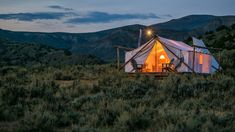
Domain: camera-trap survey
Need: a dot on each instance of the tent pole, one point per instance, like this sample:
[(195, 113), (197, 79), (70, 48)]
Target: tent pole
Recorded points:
[(118, 61), (118, 53), (137, 53), (176, 56), (193, 56)]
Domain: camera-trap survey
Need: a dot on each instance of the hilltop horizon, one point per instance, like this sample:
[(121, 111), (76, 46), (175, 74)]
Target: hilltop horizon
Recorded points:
[(101, 43), (92, 16), (135, 24)]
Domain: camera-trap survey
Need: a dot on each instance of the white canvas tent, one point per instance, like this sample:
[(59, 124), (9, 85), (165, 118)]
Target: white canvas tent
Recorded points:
[(162, 55)]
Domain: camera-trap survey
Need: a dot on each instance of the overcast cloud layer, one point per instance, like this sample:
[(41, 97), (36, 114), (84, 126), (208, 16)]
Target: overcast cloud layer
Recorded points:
[(91, 15), (74, 17)]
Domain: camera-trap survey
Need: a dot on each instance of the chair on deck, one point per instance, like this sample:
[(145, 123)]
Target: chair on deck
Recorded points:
[(168, 66), (181, 60), (136, 67)]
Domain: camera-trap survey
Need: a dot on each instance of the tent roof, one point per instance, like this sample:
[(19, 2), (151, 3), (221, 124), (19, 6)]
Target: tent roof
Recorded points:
[(169, 42), (145, 46), (179, 45), (176, 44)]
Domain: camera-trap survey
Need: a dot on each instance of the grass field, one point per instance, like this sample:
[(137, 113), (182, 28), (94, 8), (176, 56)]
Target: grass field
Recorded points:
[(101, 98)]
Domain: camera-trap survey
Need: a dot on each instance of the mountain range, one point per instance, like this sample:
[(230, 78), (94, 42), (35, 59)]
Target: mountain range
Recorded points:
[(101, 43)]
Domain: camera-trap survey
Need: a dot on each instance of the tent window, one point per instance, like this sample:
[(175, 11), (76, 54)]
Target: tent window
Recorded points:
[(200, 59)]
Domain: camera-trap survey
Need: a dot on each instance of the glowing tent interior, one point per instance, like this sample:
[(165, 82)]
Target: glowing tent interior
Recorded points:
[(165, 55)]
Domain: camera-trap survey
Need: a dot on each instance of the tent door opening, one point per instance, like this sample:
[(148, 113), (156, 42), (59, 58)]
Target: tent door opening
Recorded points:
[(156, 59)]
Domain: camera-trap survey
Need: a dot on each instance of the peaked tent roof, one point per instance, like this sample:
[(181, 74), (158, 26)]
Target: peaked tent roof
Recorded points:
[(167, 42)]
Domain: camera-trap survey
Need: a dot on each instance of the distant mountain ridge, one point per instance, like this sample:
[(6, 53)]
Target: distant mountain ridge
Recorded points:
[(101, 43), (193, 22)]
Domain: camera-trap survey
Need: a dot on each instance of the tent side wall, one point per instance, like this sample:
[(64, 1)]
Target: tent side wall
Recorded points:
[(128, 67), (178, 53), (202, 62), (214, 65)]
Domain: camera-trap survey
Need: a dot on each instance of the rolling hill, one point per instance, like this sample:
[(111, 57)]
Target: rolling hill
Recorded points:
[(18, 54), (101, 43)]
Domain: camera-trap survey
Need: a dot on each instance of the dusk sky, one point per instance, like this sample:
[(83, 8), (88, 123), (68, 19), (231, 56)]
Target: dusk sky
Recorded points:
[(95, 15)]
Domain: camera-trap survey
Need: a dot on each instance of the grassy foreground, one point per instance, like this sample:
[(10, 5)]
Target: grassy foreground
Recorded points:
[(100, 98)]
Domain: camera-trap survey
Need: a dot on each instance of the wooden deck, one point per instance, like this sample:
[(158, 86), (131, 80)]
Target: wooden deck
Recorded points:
[(156, 74), (166, 74)]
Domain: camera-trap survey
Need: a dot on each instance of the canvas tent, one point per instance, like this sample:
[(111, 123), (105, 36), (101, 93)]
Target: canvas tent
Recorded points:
[(165, 55)]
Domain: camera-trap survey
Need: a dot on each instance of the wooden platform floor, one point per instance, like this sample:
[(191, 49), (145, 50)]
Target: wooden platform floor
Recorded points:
[(156, 74)]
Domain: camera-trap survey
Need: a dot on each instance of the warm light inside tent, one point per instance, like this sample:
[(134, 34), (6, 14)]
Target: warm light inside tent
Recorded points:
[(155, 59), (200, 59), (162, 57)]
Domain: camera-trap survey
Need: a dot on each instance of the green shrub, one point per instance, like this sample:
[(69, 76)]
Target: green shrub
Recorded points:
[(38, 121)]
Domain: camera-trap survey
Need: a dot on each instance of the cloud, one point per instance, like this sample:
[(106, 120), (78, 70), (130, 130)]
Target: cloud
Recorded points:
[(35, 16), (103, 17), (76, 17), (167, 15), (60, 8)]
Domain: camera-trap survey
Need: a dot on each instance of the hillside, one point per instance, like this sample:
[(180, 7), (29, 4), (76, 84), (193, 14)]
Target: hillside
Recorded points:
[(223, 37), (101, 43), (18, 54)]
